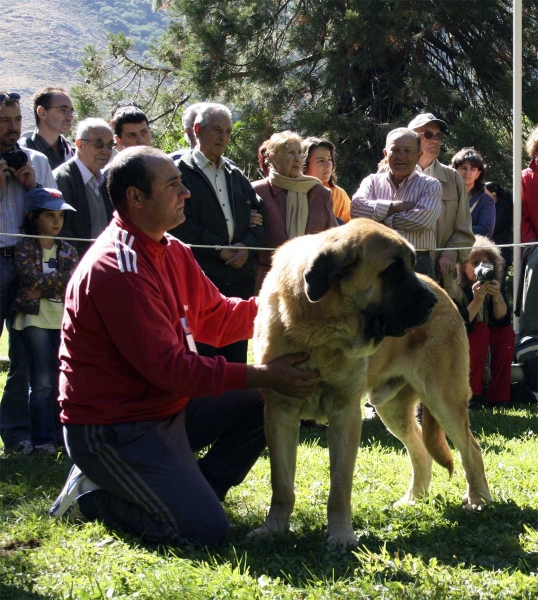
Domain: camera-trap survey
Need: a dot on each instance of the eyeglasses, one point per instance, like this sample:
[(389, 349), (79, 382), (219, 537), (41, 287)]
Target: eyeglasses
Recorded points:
[(438, 135), (99, 144), (9, 96), (64, 109)]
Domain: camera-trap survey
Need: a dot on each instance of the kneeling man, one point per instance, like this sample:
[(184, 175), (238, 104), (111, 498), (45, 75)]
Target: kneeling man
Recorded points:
[(137, 400)]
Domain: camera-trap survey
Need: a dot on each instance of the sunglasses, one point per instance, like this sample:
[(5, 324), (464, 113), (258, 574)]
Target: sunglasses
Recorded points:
[(9, 96), (438, 135), (99, 144)]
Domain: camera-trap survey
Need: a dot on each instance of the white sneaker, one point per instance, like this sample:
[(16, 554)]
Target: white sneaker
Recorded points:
[(23, 448), (66, 505)]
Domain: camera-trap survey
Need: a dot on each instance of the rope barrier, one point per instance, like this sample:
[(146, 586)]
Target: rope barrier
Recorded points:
[(254, 248)]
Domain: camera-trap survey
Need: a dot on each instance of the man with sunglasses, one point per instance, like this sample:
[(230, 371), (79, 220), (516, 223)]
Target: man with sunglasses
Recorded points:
[(453, 228), (81, 182), (17, 176), (54, 114)]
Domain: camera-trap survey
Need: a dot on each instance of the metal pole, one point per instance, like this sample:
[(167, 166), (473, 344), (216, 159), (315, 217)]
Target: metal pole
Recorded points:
[(516, 141)]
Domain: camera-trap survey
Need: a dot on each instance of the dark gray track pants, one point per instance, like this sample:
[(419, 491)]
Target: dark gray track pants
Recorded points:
[(152, 483)]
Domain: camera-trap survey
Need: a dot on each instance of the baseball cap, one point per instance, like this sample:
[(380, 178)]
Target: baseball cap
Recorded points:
[(45, 198), (424, 119)]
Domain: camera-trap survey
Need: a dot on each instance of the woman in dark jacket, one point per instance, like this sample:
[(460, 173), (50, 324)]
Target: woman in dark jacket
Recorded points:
[(470, 165)]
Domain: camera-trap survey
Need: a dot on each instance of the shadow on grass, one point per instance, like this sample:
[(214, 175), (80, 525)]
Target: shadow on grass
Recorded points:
[(490, 539), (14, 592)]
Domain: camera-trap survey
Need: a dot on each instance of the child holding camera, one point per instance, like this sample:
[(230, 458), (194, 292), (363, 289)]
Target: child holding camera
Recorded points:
[(44, 266), (484, 309)]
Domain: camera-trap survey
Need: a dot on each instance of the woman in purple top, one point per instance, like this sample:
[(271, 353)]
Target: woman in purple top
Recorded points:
[(294, 204), (470, 165)]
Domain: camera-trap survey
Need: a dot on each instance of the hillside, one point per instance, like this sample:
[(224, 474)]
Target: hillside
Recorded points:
[(41, 41)]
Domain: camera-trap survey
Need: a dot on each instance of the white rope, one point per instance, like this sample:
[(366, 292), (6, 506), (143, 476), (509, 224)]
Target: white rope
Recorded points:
[(254, 248)]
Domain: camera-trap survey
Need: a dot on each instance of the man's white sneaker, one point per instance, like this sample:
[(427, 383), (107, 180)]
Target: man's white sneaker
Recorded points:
[(66, 505), (23, 448)]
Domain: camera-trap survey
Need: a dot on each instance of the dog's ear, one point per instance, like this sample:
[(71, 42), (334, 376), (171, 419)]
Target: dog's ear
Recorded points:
[(324, 267)]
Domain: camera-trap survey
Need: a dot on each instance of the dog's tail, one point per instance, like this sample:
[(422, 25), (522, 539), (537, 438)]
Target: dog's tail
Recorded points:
[(435, 441)]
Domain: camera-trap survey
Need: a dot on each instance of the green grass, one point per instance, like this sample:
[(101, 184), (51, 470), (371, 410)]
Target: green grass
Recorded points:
[(432, 550)]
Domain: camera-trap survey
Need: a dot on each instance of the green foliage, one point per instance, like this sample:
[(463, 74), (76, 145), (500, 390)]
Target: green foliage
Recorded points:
[(347, 69), (433, 549)]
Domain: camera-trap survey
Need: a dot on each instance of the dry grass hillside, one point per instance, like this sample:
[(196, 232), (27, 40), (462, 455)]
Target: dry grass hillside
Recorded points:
[(41, 43)]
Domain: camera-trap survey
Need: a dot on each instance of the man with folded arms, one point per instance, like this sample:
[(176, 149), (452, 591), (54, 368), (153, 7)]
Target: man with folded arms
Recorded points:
[(402, 198)]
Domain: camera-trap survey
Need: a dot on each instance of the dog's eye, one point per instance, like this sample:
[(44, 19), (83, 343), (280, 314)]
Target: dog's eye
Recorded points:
[(392, 269)]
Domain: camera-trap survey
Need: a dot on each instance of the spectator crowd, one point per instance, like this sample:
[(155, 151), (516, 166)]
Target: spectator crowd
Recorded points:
[(131, 350)]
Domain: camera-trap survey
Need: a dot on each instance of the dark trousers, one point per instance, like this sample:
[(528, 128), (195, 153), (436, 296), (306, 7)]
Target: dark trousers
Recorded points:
[(424, 264), (236, 352), (152, 483), (14, 415)]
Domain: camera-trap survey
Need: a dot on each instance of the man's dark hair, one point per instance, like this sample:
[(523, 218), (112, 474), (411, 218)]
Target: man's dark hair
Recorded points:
[(127, 114), (43, 97), (130, 169)]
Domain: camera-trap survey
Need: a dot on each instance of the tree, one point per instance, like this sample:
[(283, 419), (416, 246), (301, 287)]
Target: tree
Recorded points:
[(349, 69)]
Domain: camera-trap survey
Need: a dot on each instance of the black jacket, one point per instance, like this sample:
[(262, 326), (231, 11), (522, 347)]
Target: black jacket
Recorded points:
[(77, 224), (205, 223)]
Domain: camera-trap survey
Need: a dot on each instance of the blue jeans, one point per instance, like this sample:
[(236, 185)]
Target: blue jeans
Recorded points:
[(42, 347), (14, 418)]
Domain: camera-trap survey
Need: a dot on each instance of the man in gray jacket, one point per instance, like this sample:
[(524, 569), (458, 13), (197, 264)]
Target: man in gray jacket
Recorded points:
[(454, 225)]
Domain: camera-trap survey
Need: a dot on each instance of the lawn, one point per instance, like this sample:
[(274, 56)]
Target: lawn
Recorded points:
[(433, 549)]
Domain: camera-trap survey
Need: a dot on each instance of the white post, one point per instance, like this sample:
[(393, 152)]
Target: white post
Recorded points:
[(516, 140)]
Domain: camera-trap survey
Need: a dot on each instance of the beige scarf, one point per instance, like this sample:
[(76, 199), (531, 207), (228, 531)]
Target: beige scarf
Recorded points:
[(296, 200)]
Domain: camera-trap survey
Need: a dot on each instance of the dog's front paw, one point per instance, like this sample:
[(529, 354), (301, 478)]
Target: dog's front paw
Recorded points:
[(469, 503), (342, 540), (265, 531)]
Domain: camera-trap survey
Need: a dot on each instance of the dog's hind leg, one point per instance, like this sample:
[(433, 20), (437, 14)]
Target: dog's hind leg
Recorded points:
[(454, 420), (343, 439), (398, 415), (282, 434)]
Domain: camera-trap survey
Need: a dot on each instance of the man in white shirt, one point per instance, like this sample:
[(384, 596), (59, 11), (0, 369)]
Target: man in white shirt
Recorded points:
[(21, 169), (82, 183), (402, 198), (218, 213)]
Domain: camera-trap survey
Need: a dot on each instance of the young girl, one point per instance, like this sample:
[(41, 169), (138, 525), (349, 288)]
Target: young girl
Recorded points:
[(44, 267), (484, 308)]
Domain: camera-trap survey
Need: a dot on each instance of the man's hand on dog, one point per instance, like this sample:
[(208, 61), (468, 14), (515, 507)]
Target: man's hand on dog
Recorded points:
[(283, 376)]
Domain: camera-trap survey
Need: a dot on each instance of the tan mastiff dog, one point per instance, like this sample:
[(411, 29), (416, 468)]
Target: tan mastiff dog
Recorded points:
[(334, 295)]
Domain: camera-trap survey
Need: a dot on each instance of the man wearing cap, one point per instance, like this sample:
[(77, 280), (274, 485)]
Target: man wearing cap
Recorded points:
[(81, 182), (454, 228), (21, 169), (54, 114)]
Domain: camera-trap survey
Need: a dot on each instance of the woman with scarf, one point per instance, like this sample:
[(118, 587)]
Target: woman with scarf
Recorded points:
[(294, 204)]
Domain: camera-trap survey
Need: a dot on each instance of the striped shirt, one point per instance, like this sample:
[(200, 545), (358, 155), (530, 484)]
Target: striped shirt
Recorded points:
[(12, 197), (377, 192)]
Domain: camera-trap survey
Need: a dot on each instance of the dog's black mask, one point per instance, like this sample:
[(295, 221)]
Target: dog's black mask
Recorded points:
[(407, 302)]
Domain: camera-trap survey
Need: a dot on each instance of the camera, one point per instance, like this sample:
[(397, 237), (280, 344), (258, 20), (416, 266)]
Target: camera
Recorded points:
[(15, 159), (484, 272)]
